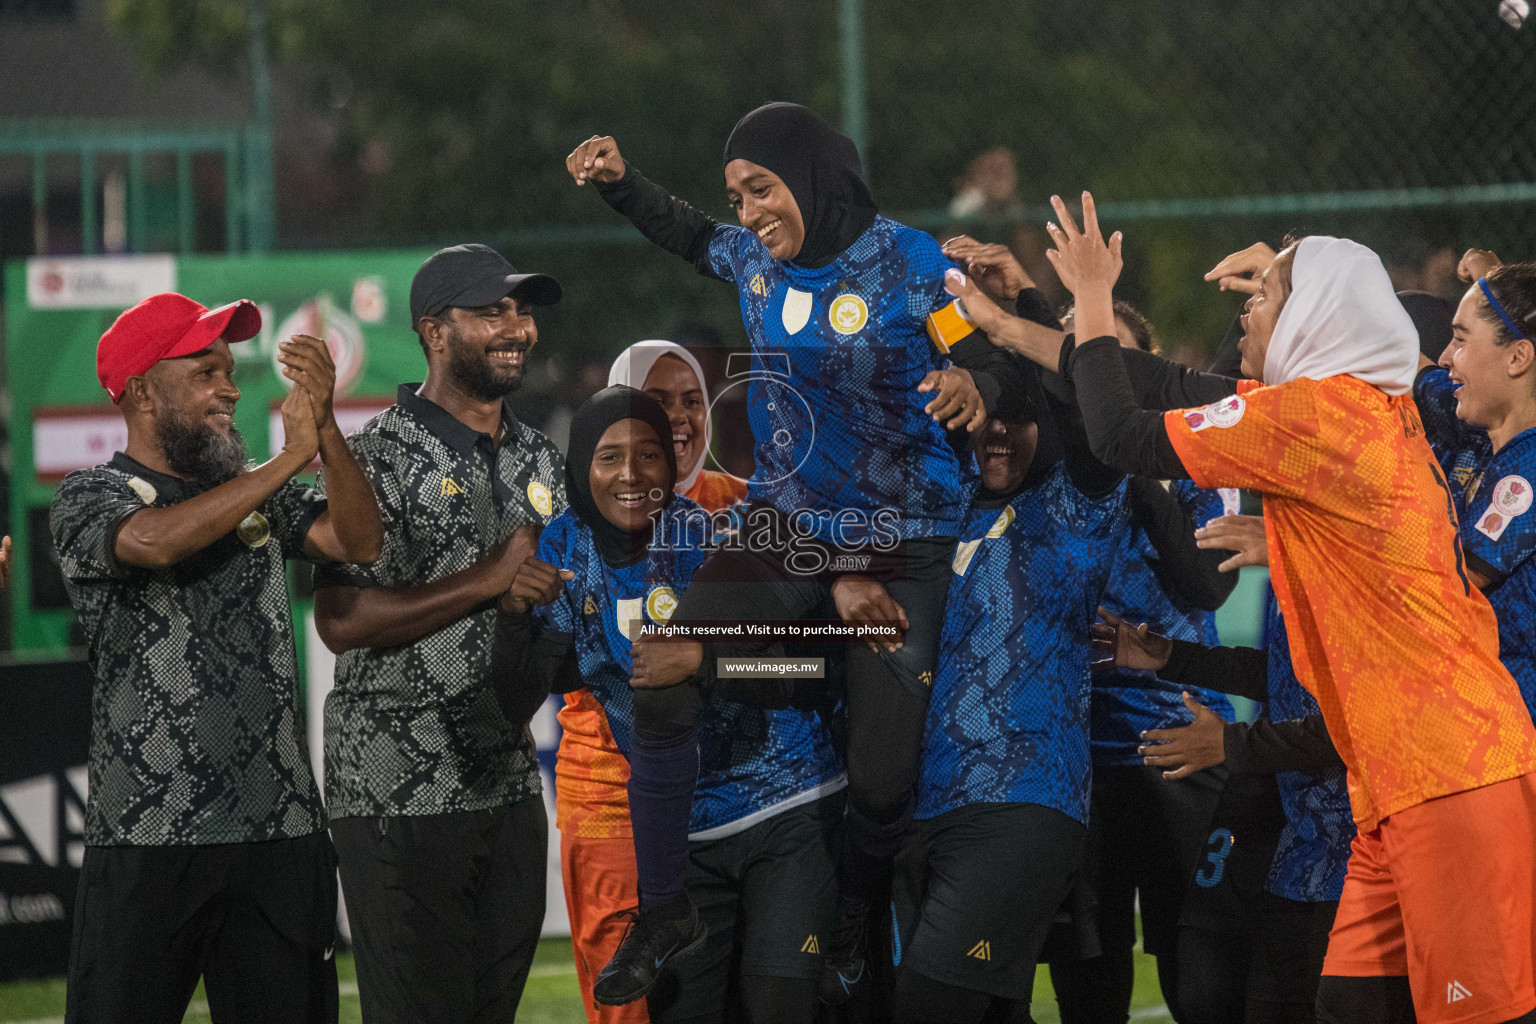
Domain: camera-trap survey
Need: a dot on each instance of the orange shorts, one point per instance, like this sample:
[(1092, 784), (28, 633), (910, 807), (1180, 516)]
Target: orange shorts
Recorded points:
[(600, 881), (1445, 892)]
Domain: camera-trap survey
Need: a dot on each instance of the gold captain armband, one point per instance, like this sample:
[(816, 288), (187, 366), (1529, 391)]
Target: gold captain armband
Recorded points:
[(947, 326)]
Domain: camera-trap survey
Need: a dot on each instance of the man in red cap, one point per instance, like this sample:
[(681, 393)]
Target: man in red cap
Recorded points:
[(206, 851)]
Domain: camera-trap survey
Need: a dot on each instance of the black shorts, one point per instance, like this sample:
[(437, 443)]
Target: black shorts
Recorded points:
[(977, 891), (1288, 959), (1145, 836), (256, 920), (764, 583), (1227, 887), (768, 896)]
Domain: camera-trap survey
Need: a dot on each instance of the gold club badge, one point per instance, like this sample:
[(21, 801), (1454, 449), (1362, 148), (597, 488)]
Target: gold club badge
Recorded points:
[(661, 604), (254, 530), (539, 498), (849, 314)]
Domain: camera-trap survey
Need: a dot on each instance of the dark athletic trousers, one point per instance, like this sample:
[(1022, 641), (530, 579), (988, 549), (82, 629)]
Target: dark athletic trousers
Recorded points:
[(445, 910), (887, 701)]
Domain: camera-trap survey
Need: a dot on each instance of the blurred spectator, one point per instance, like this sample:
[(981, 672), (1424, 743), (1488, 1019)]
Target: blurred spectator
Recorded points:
[(988, 188)]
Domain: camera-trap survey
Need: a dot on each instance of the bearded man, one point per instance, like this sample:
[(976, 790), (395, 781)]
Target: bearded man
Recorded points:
[(434, 797), (206, 852)]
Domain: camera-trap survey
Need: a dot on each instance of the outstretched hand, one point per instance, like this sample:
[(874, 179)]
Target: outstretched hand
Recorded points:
[(984, 314), (597, 159), (956, 403), (994, 267), (1186, 750), (1083, 260), (1240, 272), (1088, 266), (1119, 644), (1243, 534)]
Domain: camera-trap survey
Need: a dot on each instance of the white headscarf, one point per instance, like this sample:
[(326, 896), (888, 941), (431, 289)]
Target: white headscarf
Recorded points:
[(1342, 317), (634, 365)]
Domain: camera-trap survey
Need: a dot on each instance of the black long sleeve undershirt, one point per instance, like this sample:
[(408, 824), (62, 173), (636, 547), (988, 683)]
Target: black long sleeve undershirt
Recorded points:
[(1125, 420), (1265, 746), (528, 665), (1188, 574), (671, 223)]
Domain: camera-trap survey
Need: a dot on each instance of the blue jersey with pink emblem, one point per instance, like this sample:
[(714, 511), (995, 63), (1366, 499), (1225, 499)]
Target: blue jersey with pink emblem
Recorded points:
[(1008, 719), (752, 762), (837, 355), (1313, 850), (1127, 703), (1493, 493)]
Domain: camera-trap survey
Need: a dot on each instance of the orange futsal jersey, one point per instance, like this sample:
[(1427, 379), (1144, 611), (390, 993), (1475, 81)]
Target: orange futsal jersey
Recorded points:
[(1399, 648), (591, 774)]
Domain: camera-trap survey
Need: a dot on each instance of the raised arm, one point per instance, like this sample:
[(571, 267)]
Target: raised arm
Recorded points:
[(153, 538), (349, 530), (351, 613), (666, 220)]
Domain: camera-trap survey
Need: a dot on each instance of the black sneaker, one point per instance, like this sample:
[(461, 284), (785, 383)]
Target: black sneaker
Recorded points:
[(842, 961), (651, 939)]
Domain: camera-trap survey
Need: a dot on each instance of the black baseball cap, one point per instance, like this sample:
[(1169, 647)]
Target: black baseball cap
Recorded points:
[(473, 275)]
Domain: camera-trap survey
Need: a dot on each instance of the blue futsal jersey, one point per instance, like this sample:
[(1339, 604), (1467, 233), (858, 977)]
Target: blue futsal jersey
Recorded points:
[(1314, 844), (752, 763), (837, 355), (1129, 702), (1493, 494), (1008, 719)]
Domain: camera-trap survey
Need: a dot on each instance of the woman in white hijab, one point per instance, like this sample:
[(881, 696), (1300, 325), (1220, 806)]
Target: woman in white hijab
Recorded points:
[(670, 374), (1386, 630)]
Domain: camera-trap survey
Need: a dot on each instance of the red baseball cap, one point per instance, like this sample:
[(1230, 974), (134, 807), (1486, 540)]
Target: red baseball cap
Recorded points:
[(167, 326)]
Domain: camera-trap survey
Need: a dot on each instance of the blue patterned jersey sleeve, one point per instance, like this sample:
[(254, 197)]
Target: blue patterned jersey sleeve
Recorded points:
[(724, 253), (1499, 528), (1435, 395), (84, 519), (555, 547), (926, 264)]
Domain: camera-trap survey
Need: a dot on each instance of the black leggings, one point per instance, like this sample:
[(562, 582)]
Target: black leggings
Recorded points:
[(921, 1000), (887, 693), (1383, 1000)]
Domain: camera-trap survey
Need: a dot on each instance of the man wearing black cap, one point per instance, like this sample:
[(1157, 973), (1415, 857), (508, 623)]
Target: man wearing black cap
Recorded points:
[(434, 797), (206, 851)]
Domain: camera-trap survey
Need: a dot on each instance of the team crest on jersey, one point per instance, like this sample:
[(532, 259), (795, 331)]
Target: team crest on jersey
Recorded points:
[(964, 552), (254, 530), (1511, 498), (143, 488), (1225, 413), (1003, 522), (797, 310), (627, 611), (539, 498), (849, 314), (661, 604)]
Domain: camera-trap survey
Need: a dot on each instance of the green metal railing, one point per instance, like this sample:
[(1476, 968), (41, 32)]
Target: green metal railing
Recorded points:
[(87, 141)]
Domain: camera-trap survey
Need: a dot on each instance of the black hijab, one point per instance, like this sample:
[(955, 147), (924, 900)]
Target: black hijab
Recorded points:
[(1029, 404), (619, 548), (821, 167), (1431, 316)]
